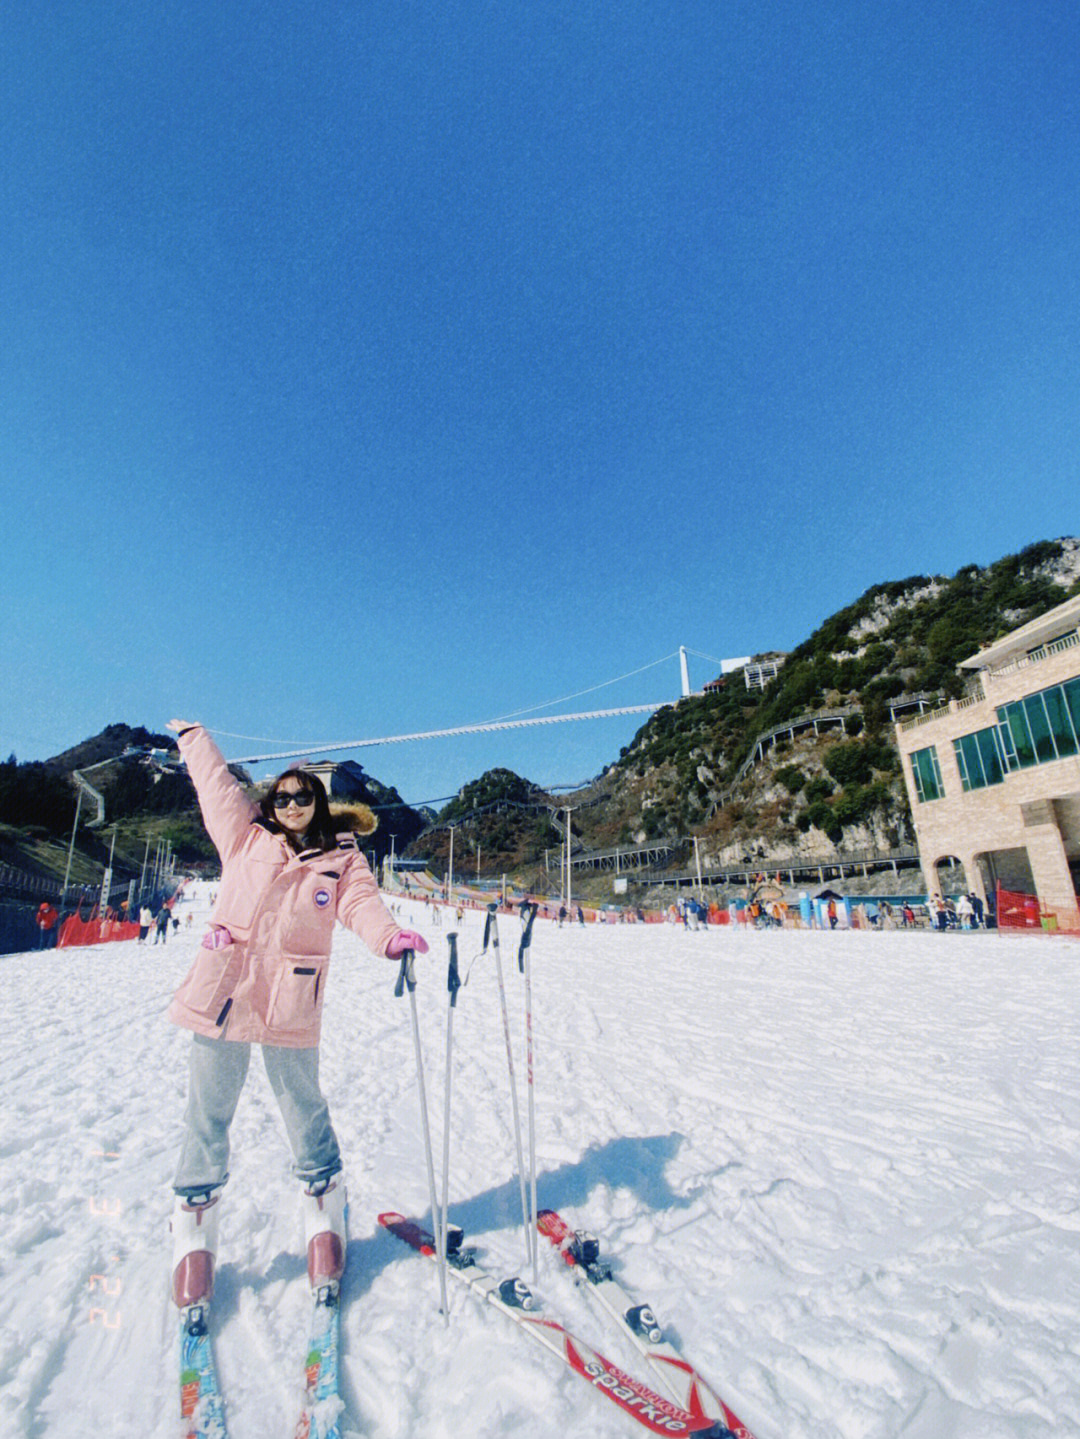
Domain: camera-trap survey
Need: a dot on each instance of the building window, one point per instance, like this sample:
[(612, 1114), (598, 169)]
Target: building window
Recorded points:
[(1016, 738), (979, 759), (1041, 727), (926, 774), (1071, 691), (1061, 725)]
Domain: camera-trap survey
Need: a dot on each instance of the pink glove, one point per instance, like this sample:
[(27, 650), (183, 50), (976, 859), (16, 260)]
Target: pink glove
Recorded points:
[(406, 939), (218, 937)]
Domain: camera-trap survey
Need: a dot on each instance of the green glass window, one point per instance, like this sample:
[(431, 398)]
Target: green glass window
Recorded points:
[(1071, 690), (1020, 746), (1005, 745), (1039, 726), (990, 753), (978, 759), (1057, 712), (926, 774), (969, 777)]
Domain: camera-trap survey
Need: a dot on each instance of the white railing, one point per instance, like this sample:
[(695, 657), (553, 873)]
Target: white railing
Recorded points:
[(974, 698), (925, 718), (1044, 652)]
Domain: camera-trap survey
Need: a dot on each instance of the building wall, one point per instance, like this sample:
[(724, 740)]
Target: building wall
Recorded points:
[(1035, 811)]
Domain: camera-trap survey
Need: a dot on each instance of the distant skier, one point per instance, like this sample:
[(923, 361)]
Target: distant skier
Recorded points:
[(287, 875), (161, 922), (46, 917)]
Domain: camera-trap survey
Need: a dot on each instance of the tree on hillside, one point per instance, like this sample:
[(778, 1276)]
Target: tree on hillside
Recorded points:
[(34, 794)]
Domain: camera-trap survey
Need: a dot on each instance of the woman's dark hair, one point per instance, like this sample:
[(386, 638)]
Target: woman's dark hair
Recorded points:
[(322, 832)]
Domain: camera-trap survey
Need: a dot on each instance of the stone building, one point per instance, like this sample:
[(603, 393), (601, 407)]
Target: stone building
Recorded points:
[(994, 778)]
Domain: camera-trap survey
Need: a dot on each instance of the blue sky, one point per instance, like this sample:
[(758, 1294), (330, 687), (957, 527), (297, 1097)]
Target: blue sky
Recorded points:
[(368, 369)]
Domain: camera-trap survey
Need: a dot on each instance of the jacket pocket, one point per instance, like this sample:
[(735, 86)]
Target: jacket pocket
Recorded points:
[(210, 982), (296, 997)]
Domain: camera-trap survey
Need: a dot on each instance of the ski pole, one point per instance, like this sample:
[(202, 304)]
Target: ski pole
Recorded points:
[(524, 967), (491, 928), (453, 984), (406, 980)]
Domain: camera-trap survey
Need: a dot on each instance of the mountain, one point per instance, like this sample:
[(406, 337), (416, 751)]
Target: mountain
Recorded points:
[(111, 743), (132, 778), (747, 773), (500, 823)]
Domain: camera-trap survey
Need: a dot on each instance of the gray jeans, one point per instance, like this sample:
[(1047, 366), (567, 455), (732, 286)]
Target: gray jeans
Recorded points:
[(217, 1069)]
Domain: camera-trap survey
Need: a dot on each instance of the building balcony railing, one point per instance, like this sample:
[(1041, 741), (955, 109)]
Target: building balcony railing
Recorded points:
[(927, 718), (1044, 652)]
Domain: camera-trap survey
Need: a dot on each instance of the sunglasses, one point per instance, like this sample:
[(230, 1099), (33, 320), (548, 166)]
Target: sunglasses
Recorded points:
[(283, 799)]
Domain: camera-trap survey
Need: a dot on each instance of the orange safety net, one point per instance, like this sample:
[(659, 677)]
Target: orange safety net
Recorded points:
[(77, 931), (1017, 911)]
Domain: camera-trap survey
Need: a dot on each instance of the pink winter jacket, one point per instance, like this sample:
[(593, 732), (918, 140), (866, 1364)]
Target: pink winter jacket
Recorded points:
[(268, 986)]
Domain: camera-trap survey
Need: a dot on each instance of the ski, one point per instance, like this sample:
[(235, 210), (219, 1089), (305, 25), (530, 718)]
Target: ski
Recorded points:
[(637, 1321), (202, 1408), (512, 1298), (323, 1406)]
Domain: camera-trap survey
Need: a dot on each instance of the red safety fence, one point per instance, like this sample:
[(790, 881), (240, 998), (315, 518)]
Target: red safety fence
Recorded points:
[(1024, 912), (75, 930), (1017, 911)]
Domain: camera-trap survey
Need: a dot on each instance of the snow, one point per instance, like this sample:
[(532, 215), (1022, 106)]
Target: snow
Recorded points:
[(842, 1168)]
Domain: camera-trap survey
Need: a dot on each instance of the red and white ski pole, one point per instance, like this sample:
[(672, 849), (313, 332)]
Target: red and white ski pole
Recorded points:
[(406, 980), (491, 930), (524, 967), (453, 984)]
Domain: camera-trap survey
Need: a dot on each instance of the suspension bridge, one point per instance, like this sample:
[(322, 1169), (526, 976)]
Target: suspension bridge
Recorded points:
[(507, 722)]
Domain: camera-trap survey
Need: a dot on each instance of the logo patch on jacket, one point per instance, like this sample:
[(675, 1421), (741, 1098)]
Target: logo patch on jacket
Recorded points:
[(322, 898)]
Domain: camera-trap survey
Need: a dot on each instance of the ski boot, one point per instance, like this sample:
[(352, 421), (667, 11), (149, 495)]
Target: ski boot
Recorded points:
[(325, 1211), (194, 1230)]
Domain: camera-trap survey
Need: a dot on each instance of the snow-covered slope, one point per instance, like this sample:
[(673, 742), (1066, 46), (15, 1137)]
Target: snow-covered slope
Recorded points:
[(841, 1166)]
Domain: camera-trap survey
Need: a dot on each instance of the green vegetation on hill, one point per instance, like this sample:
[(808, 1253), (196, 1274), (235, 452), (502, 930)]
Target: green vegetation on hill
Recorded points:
[(500, 815), (496, 787), (902, 638), (145, 802), (34, 794)]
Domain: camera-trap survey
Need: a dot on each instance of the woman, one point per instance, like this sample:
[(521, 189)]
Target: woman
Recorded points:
[(260, 978)]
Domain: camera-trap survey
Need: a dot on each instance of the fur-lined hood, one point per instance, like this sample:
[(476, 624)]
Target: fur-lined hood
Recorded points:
[(356, 817)]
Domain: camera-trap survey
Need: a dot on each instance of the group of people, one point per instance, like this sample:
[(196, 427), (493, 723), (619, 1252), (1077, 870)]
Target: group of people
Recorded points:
[(159, 923), (967, 912)]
